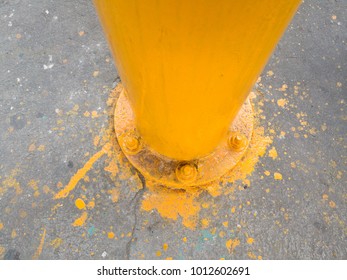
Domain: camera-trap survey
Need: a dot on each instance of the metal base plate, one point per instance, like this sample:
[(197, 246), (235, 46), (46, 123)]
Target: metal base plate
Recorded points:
[(162, 169)]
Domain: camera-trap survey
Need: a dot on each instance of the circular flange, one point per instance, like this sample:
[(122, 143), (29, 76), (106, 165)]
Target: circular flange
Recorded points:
[(182, 174)]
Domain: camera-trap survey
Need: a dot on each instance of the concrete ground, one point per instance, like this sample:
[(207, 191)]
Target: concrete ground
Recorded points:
[(56, 74)]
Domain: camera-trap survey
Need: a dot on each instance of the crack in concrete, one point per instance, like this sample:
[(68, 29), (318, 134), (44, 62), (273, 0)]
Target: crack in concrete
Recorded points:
[(137, 199)]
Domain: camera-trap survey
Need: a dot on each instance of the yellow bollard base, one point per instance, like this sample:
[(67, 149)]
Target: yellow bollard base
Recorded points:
[(177, 174)]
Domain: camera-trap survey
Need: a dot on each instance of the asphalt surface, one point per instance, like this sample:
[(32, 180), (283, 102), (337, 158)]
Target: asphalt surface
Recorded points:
[(56, 75)]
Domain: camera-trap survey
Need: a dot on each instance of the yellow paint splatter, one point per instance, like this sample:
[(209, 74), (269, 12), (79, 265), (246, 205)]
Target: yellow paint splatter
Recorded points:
[(112, 167), (283, 88), (278, 176), (55, 243), (251, 255), (32, 147), (40, 247), (165, 247), (22, 213), (110, 235), (46, 189), (79, 175), (232, 244), (86, 114), (270, 73), (114, 195), (184, 239), (96, 140), (94, 114), (11, 182), (205, 223), (267, 172), (273, 153), (158, 253), (13, 234), (80, 204), (226, 224), (41, 148), (81, 220), (332, 204), (91, 204), (250, 240), (282, 102), (172, 204), (1, 226)]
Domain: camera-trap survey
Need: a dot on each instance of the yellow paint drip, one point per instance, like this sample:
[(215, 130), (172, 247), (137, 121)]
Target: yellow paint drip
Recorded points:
[(80, 174), (40, 247)]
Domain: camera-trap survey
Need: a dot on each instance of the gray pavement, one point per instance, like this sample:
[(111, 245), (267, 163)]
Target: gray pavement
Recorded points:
[(56, 75)]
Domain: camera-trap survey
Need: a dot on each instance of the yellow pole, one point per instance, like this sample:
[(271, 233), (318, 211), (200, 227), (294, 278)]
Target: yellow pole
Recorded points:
[(188, 65)]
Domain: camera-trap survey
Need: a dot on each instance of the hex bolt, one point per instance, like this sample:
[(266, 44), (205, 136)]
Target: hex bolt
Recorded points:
[(237, 141), (186, 172), (130, 144)]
